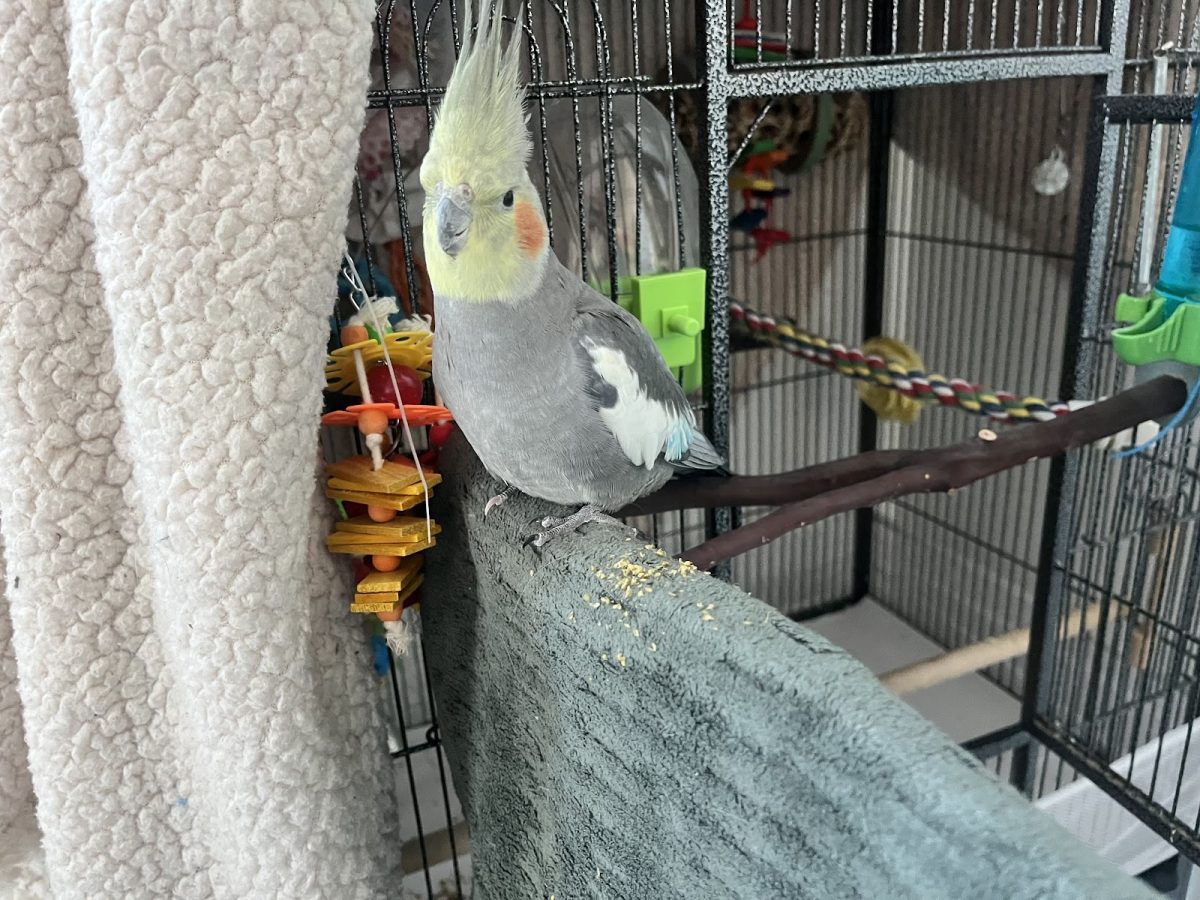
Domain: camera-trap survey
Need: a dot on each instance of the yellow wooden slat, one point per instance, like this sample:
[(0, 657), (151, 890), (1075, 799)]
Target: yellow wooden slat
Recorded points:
[(401, 528), (368, 603), (398, 502), (386, 582), (368, 547), (357, 473)]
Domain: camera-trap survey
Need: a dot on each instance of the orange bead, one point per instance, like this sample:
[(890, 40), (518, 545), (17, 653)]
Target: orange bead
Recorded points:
[(385, 563), (372, 421), (393, 616), (381, 514), (354, 334)]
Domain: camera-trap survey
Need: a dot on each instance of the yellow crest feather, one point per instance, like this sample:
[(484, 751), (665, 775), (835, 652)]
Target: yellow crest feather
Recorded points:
[(481, 119)]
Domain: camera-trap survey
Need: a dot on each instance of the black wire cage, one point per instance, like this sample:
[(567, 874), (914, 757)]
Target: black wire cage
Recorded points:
[(912, 129)]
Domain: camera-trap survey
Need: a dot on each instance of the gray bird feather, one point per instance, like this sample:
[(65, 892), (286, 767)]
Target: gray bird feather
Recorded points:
[(564, 395)]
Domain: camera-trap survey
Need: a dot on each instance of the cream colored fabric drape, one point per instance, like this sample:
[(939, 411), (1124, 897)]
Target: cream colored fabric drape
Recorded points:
[(181, 688)]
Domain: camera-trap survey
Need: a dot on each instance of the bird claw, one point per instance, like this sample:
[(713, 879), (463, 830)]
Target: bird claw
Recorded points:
[(541, 533), (537, 540), (498, 500), (553, 527)]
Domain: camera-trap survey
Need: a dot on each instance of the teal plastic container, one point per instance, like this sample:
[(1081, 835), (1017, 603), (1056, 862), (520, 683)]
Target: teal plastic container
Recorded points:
[(1179, 278)]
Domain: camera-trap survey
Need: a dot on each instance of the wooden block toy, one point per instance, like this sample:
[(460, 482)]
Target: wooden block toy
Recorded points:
[(347, 538), (433, 479), (357, 473), (374, 603), (385, 603), (341, 539), (406, 595), (364, 545), (403, 528), (399, 502), (387, 582), (741, 182)]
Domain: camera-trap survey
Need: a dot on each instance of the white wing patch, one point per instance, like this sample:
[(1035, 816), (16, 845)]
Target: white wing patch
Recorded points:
[(642, 426)]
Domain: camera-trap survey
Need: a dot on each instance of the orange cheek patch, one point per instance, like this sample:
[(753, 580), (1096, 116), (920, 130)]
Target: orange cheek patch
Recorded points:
[(531, 232)]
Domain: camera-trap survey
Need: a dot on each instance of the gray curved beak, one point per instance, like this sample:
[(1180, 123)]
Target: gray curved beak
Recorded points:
[(453, 219)]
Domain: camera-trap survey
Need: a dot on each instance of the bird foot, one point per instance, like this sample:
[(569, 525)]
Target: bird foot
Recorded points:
[(498, 500), (552, 527)]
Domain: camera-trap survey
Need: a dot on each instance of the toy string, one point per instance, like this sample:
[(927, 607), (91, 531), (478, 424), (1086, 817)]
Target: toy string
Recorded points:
[(356, 284), (1175, 422)]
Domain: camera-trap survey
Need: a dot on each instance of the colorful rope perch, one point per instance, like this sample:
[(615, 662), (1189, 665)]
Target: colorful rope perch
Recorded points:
[(782, 332)]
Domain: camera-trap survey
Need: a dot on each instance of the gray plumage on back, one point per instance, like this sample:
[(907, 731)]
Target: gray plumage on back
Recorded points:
[(564, 396)]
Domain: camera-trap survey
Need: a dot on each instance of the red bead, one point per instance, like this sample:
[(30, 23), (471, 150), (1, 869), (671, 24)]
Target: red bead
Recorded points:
[(439, 434), (412, 390)]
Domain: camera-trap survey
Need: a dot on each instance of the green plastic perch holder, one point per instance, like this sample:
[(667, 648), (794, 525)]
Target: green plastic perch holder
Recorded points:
[(671, 307), (1162, 338), (1154, 336)]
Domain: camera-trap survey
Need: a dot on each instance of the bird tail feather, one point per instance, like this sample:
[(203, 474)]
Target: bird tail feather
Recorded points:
[(701, 456)]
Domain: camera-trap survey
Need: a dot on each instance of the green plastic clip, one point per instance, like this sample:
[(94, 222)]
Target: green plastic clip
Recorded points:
[(1154, 335), (671, 307)]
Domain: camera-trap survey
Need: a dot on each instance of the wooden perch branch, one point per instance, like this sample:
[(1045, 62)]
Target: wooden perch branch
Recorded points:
[(702, 492), (928, 471), (985, 653)]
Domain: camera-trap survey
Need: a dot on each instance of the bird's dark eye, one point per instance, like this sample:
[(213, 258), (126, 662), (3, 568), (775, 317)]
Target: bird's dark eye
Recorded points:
[(507, 200)]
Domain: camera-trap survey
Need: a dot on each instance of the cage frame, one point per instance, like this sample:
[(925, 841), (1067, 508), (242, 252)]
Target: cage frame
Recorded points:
[(1089, 304), (720, 81)]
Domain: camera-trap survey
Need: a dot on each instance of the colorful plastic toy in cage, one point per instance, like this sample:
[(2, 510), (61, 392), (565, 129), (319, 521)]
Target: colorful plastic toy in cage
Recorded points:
[(385, 370)]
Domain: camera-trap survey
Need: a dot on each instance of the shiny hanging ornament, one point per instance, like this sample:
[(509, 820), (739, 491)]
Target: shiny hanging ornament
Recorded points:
[(1051, 175)]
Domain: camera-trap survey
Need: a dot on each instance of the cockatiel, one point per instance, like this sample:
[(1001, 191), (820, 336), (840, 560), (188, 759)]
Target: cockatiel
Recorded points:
[(562, 394)]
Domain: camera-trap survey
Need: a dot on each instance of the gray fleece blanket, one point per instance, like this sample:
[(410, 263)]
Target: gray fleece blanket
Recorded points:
[(622, 726)]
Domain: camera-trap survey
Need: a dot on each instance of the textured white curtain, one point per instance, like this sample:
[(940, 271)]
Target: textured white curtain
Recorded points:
[(183, 695)]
